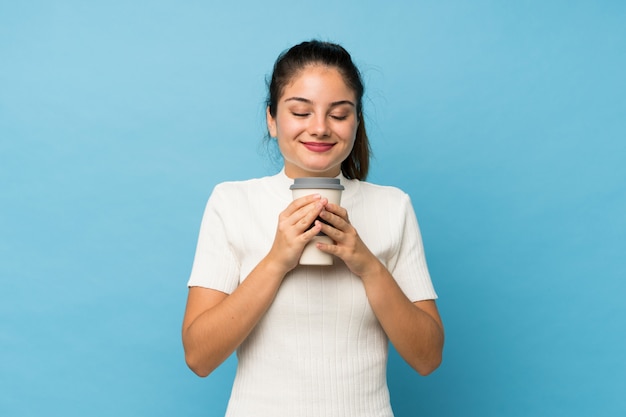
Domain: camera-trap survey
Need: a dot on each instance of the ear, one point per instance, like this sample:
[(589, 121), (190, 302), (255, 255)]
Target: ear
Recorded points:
[(271, 123)]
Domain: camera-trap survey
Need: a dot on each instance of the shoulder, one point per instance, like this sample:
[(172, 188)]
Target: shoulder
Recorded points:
[(233, 196), (236, 185), (380, 200), (244, 187), (385, 194)]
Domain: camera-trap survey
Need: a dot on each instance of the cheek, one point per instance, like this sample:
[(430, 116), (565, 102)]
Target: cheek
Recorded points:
[(289, 128), (349, 132)]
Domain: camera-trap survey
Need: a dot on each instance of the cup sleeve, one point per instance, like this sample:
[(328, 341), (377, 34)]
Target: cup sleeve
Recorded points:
[(215, 265)]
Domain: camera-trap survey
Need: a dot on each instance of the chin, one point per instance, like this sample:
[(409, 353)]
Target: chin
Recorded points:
[(316, 172)]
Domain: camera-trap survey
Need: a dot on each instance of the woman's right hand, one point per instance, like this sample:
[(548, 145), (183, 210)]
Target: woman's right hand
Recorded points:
[(216, 323), (294, 230)]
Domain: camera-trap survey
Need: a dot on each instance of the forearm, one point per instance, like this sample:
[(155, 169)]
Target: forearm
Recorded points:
[(216, 332), (416, 334)]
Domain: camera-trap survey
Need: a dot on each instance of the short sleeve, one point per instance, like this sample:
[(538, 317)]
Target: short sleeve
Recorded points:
[(215, 265), (408, 266)]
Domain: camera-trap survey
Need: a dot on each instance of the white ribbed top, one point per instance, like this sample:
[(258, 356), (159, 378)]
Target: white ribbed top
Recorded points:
[(319, 350)]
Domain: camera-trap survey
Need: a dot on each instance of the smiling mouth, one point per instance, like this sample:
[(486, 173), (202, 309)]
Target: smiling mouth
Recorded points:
[(318, 146)]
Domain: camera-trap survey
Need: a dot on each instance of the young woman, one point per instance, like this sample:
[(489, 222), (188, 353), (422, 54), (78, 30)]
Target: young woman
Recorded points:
[(311, 340)]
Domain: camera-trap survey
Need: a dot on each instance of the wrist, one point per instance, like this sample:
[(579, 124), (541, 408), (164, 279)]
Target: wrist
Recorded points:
[(372, 270), (273, 268)]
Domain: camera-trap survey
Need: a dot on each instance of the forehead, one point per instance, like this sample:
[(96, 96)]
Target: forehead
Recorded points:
[(319, 80)]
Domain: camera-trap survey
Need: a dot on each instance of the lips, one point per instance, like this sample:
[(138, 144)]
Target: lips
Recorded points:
[(318, 146)]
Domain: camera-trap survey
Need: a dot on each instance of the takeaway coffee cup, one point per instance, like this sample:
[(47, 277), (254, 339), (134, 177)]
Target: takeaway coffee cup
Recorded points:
[(329, 188)]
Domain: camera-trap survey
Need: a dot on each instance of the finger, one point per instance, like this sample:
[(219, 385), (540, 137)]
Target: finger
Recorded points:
[(300, 208), (301, 202), (330, 231), (313, 231), (334, 220), (333, 249), (338, 210), (304, 218)]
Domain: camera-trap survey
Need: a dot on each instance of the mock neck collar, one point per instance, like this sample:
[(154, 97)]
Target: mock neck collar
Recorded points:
[(281, 183)]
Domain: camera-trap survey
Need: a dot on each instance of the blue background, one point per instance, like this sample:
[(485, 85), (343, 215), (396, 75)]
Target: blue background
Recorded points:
[(504, 121)]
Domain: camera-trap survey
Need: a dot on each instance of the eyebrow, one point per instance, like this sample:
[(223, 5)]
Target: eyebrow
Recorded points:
[(307, 101)]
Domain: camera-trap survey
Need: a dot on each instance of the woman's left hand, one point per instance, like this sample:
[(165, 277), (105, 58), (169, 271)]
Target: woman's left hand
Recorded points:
[(415, 329), (348, 245)]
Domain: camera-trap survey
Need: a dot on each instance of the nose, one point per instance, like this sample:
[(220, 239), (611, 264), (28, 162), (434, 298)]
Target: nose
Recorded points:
[(318, 126)]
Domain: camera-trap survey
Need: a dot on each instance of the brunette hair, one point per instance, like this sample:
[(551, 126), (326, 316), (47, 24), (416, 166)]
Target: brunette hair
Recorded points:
[(293, 60)]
